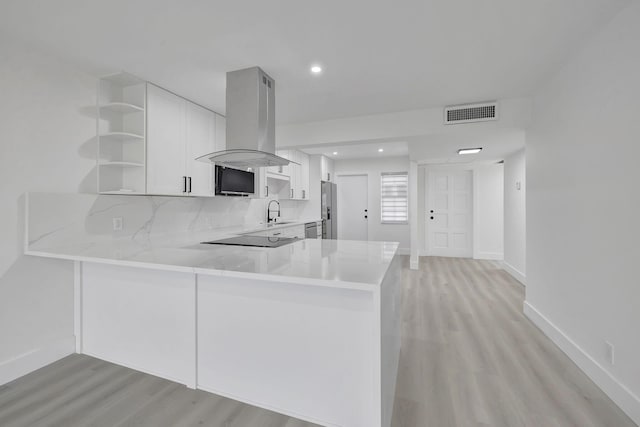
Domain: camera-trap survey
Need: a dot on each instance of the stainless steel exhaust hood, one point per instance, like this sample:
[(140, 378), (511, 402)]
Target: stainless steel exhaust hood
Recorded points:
[(251, 125)]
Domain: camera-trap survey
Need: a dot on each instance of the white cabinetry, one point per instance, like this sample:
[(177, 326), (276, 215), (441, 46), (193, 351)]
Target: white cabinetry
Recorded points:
[(201, 139), (166, 142), (291, 181), (281, 170), (261, 184), (148, 139), (326, 169), (299, 175), (221, 133), (140, 318), (178, 131)]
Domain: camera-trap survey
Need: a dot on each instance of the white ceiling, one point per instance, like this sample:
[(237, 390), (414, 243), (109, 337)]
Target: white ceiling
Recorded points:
[(360, 150), (440, 149), (496, 144), (379, 56)]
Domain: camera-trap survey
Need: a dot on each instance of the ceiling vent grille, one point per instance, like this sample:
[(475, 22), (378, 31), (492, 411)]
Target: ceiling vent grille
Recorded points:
[(471, 113)]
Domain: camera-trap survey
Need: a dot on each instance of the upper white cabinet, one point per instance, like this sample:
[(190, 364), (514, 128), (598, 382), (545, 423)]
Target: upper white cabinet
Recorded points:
[(166, 142), (299, 172), (201, 139), (178, 131), (221, 133), (296, 175), (284, 171), (148, 140), (326, 169)]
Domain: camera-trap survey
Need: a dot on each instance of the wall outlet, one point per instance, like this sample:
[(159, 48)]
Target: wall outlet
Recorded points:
[(610, 352), (117, 223)]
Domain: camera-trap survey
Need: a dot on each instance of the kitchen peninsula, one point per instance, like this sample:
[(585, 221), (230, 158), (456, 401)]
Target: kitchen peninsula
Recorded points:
[(310, 329)]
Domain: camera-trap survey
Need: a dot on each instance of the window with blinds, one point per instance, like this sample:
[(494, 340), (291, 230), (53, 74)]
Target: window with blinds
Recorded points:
[(394, 198)]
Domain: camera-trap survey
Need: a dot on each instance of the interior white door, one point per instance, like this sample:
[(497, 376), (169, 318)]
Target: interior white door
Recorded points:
[(449, 213), (201, 132), (353, 214), (166, 152)]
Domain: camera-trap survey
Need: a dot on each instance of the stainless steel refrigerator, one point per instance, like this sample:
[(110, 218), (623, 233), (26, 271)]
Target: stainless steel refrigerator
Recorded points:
[(329, 202)]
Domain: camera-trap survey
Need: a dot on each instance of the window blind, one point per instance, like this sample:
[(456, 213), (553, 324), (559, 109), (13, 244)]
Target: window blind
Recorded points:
[(394, 197)]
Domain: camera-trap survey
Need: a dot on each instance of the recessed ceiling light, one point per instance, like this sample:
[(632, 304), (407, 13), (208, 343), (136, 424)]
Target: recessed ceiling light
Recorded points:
[(335, 153), (316, 69), (469, 150), (380, 150)]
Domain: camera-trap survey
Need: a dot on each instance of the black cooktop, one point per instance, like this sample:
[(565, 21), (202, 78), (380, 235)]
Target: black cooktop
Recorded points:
[(256, 241)]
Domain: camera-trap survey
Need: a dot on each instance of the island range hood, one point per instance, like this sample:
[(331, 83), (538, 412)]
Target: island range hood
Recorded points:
[(251, 126)]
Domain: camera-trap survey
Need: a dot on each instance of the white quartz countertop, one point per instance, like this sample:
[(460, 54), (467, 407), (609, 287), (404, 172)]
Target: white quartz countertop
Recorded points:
[(335, 263)]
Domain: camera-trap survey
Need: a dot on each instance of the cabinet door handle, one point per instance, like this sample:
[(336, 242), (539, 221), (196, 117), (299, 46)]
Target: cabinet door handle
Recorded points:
[(304, 194), (277, 234), (184, 184), (292, 193), (267, 188), (189, 184)]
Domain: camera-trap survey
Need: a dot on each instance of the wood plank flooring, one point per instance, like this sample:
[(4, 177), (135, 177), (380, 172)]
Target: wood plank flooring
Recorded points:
[(469, 358)]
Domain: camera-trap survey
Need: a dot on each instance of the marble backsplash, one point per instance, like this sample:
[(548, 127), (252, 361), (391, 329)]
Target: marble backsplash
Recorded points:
[(53, 218)]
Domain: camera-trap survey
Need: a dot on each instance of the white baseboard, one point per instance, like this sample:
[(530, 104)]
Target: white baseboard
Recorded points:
[(618, 392), (36, 358), (515, 273), (493, 256)]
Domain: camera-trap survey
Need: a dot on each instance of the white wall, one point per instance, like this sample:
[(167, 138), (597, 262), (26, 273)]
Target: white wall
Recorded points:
[(514, 114), (46, 138), (488, 212), (374, 168), (515, 216), (583, 232)]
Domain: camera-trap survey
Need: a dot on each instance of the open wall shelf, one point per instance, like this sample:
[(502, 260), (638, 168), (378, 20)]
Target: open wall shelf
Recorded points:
[(122, 164), (121, 155), (121, 107), (122, 137)]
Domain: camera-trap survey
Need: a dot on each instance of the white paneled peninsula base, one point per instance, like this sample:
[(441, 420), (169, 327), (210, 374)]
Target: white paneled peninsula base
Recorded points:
[(310, 330)]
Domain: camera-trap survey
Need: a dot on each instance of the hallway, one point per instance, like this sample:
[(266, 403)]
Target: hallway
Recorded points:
[(471, 358)]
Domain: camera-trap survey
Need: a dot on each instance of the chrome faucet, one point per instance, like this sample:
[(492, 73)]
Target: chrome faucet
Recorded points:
[(269, 219)]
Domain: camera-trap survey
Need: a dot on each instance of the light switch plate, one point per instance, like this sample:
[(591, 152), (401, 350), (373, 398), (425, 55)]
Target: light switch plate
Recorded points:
[(117, 223)]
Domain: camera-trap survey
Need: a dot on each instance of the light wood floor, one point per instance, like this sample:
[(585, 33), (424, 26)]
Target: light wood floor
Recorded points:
[(469, 358)]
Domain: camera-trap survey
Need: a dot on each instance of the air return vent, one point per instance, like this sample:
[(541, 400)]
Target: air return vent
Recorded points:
[(470, 113)]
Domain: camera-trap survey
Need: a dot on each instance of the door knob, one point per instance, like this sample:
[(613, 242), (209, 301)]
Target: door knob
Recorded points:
[(431, 217), (366, 210), (365, 217), (431, 211)]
